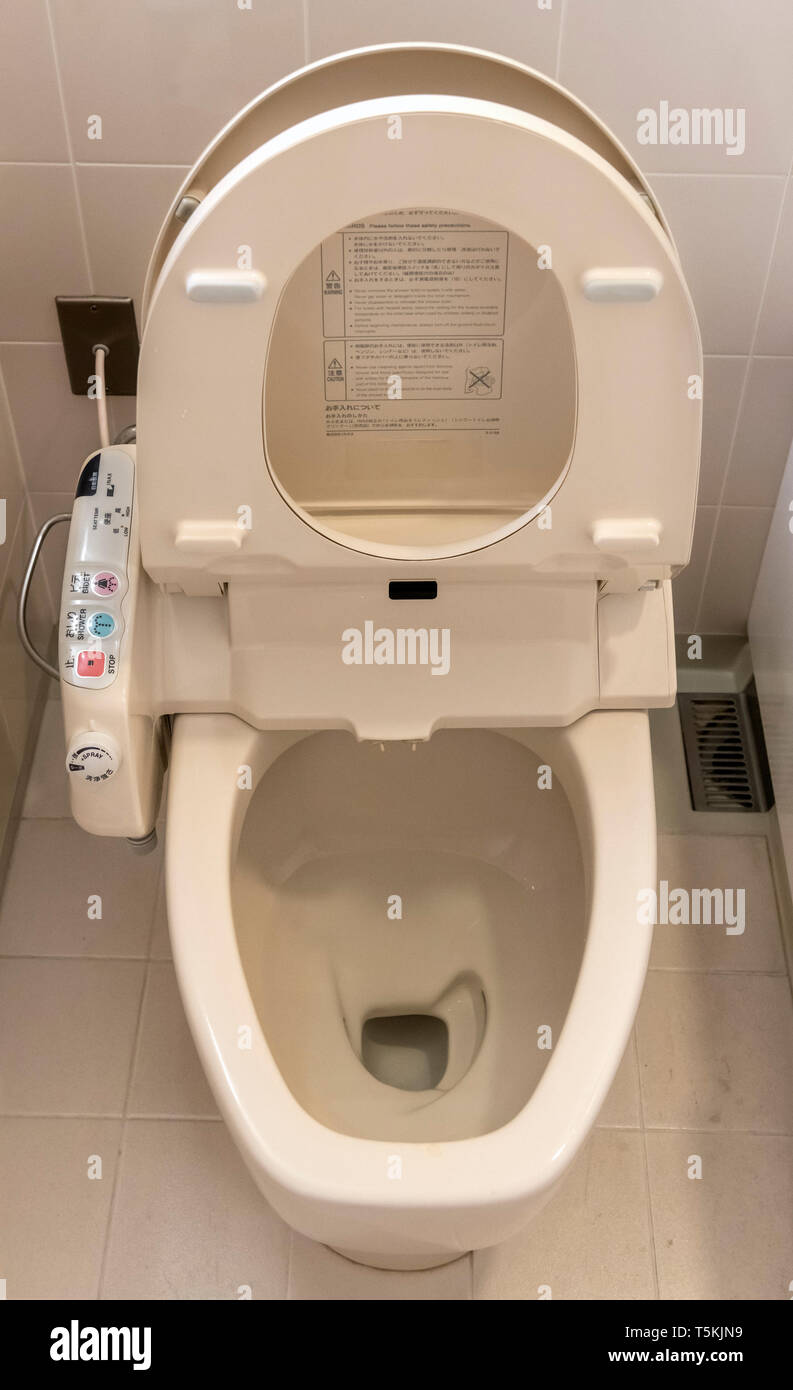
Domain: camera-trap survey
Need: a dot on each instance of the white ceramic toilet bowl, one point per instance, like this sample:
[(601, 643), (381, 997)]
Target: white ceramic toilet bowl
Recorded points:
[(410, 972)]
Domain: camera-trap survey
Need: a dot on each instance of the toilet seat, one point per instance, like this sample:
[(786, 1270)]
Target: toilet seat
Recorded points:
[(452, 1195), (637, 427)]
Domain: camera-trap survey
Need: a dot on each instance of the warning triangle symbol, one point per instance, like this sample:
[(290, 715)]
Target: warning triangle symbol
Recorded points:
[(332, 278)]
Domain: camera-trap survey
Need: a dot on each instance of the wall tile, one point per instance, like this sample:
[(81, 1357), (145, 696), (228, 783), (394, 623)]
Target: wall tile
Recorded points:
[(724, 229), (737, 551), (31, 118), (722, 393), (12, 488), (775, 330), (9, 769), (765, 430), (41, 251), (56, 430), (623, 55), (20, 680), (123, 208), (121, 411), (687, 587), (47, 790), (521, 31), (185, 70), (53, 556)]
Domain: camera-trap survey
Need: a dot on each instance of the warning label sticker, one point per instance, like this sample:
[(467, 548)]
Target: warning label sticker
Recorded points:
[(413, 308), (394, 369)]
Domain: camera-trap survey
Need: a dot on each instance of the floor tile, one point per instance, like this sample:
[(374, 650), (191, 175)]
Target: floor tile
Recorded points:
[(592, 1240), (622, 1108), (188, 1221), (728, 1234), (315, 1273), (716, 1052), (53, 1215), (57, 873), (167, 1077), (67, 1029), (718, 862)]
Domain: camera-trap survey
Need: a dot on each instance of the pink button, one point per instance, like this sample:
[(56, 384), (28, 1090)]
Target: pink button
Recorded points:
[(91, 664), (106, 582)]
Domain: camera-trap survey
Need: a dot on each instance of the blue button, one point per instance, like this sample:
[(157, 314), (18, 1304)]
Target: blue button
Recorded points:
[(101, 624)]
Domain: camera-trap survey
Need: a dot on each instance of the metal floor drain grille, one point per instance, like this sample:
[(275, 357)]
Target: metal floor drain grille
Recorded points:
[(725, 752)]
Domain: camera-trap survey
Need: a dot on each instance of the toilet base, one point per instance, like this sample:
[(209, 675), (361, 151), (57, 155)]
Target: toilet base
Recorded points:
[(398, 1262)]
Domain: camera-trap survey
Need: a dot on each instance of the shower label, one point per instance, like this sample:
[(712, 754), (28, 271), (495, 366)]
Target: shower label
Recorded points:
[(435, 369)]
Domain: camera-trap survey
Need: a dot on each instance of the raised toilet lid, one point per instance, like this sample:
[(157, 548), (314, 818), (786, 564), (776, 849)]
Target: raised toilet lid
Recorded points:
[(545, 355)]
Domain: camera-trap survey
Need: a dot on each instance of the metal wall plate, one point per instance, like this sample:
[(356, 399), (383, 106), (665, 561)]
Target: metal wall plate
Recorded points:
[(88, 320)]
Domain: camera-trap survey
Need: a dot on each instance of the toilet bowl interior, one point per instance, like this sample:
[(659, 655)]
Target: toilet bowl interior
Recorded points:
[(411, 921)]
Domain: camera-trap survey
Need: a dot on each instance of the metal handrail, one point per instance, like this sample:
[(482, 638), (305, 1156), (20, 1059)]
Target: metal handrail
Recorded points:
[(22, 620)]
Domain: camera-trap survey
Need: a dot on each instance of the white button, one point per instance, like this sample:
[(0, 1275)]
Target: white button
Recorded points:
[(621, 284), (225, 286), (209, 537), (627, 534)]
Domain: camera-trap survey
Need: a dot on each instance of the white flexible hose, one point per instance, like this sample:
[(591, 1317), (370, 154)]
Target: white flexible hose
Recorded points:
[(101, 398)]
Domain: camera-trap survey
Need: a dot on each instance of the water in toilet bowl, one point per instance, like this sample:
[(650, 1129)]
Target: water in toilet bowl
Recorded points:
[(411, 922)]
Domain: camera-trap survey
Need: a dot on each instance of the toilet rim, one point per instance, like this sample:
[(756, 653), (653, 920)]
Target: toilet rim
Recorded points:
[(604, 764)]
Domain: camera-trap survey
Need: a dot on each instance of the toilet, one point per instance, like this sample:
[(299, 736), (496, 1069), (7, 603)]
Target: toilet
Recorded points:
[(385, 583)]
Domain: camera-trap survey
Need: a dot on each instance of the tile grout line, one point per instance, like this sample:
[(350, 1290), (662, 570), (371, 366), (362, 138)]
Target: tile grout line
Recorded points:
[(134, 1052), (110, 960), (125, 1118), (724, 1131), (743, 392), (105, 1115), (780, 888), (709, 970), (648, 1195), (69, 148), (558, 65), (779, 175)]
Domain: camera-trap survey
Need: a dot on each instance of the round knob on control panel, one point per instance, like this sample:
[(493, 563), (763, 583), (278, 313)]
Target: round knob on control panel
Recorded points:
[(93, 757)]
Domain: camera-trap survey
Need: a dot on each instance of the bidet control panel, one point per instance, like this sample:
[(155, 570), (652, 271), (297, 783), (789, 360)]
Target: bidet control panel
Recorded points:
[(95, 579)]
